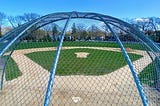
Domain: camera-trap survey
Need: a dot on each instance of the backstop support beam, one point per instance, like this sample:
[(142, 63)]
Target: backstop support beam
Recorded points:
[(54, 66), (136, 79)]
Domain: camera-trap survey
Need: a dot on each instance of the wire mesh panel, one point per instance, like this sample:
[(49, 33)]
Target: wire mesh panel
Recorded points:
[(25, 81), (142, 66), (112, 65), (95, 79)]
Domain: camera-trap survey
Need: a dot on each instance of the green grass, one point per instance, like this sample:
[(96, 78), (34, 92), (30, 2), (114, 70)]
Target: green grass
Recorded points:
[(105, 63), (99, 62), (89, 44), (147, 76), (12, 71)]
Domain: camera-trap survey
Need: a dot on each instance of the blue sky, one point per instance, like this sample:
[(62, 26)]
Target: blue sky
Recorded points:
[(116, 8)]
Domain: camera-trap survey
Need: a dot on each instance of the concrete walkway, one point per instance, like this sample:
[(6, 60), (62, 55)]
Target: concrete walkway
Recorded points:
[(116, 88)]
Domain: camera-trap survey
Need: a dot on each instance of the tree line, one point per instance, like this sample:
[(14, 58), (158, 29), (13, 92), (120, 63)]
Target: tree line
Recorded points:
[(150, 26)]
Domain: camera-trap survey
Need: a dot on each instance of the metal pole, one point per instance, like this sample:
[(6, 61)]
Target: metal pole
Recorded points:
[(3, 72), (4, 68), (53, 70), (138, 84)]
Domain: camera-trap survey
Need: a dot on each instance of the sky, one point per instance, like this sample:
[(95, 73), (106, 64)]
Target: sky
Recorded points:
[(115, 8)]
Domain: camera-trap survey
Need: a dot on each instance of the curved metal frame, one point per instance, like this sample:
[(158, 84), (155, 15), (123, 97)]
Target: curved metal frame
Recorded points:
[(5, 64), (136, 79), (16, 34), (53, 70)]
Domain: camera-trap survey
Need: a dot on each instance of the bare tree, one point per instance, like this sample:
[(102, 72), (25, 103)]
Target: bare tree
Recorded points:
[(81, 31), (16, 21), (94, 31), (157, 22), (106, 30), (30, 16), (74, 30), (2, 18)]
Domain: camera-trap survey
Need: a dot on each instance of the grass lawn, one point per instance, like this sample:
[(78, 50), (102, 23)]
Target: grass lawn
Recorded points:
[(99, 62), (12, 71), (147, 76), (89, 44), (96, 64)]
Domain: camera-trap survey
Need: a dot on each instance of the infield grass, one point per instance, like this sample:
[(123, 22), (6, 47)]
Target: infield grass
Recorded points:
[(99, 62)]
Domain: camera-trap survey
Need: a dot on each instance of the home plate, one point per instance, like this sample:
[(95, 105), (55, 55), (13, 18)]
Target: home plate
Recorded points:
[(76, 99)]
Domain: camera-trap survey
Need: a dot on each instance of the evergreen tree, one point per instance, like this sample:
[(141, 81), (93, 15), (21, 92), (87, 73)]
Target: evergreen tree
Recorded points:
[(2, 17), (54, 31), (74, 30)]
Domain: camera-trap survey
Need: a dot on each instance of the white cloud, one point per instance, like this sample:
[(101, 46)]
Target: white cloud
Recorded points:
[(101, 23), (142, 20)]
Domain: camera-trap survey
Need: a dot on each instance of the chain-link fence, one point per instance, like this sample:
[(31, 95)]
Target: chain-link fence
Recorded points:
[(119, 67)]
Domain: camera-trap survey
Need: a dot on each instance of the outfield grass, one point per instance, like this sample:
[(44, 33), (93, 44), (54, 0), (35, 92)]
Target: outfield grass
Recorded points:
[(105, 64), (12, 71), (147, 76), (88, 44), (99, 62)]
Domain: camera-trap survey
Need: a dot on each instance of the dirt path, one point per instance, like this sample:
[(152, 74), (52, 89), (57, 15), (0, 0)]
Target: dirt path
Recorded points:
[(29, 89)]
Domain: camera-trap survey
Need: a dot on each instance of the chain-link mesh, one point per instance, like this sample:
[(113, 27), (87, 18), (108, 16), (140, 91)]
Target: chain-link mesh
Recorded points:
[(90, 71)]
